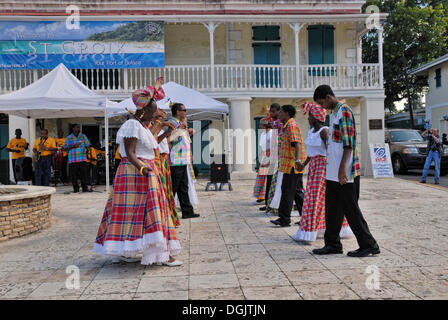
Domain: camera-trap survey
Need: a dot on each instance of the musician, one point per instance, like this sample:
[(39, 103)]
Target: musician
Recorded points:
[(42, 148), (76, 145), (92, 158), (17, 147), (60, 142), (117, 157)]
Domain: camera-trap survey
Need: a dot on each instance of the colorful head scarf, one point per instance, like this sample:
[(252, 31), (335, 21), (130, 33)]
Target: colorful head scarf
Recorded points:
[(316, 111), (141, 97)]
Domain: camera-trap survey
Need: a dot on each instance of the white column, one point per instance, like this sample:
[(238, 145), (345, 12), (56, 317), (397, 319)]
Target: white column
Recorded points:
[(243, 138), (380, 55), (211, 26), (358, 49), (296, 27), (371, 108)]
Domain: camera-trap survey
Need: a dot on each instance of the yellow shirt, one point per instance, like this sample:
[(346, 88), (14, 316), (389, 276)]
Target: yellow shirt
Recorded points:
[(60, 144), (117, 153), (49, 143), (17, 144), (93, 156)]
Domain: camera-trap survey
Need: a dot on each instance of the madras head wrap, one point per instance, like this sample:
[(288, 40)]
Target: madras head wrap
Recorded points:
[(141, 97), (316, 111)]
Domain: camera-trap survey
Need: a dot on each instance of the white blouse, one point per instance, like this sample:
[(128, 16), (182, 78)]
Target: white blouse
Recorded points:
[(146, 143), (163, 146), (314, 144), (265, 137)]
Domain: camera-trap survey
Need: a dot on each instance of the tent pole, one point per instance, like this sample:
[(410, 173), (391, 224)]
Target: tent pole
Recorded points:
[(229, 151), (106, 132)]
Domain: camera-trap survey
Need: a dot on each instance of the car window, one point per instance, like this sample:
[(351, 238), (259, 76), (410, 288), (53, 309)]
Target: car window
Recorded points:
[(403, 136)]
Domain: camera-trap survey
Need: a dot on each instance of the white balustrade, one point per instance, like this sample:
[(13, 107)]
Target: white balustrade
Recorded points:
[(228, 77)]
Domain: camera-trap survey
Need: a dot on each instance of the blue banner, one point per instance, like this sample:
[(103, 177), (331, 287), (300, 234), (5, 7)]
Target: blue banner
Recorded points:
[(95, 45)]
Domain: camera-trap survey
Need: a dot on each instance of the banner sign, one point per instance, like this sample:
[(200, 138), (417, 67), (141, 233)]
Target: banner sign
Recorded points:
[(95, 45), (381, 161)]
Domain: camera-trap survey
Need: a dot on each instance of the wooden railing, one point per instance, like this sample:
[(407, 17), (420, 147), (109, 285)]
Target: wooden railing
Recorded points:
[(226, 77)]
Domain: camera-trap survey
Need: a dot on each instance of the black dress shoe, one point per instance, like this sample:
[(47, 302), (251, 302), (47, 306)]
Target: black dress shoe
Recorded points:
[(276, 222), (284, 225), (262, 209), (327, 250), (359, 253), (194, 215), (260, 200)]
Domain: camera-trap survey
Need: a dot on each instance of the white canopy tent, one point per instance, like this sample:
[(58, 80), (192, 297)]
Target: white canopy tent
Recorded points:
[(198, 105), (58, 94)]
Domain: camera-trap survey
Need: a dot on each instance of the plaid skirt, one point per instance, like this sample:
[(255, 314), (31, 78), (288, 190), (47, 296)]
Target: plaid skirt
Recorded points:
[(272, 191), (136, 218), (260, 187), (312, 221), (168, 187)]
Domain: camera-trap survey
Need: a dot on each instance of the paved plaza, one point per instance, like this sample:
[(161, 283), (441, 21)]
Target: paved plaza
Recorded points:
[(233, 252)]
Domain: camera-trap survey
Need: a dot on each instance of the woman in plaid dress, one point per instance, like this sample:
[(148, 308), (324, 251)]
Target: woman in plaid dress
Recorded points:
[(260, 182), (136, 220), (312, 221)]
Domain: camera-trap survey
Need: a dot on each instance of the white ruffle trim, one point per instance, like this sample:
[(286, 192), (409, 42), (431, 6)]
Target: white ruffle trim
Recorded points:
[(275, 203), (305, 235), (151, 246), (312, 235), (344, 233)]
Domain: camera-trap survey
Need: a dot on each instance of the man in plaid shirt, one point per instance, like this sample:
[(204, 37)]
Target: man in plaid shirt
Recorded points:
[(77, 145), (292, 156), (342, 179), (180, 159)]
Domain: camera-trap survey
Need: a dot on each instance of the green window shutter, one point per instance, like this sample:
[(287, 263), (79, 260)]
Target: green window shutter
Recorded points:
[(321, 44), (315, 52), (328, 44), (266, 33)]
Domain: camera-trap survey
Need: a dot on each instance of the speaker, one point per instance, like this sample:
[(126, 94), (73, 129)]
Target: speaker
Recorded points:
[(219, 169), (4, 171), (24, 169)]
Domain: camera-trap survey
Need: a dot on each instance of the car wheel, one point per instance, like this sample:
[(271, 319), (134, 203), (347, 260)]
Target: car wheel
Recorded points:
[(398, 165)]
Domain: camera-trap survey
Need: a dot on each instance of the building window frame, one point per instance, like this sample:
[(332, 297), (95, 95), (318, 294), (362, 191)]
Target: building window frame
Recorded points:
[(438, 78)]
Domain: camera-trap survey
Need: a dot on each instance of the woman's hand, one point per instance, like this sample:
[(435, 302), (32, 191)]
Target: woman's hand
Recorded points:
[(146, 171)]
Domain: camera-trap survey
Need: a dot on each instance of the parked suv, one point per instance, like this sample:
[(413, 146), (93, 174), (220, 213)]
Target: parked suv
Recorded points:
[(408, 151)]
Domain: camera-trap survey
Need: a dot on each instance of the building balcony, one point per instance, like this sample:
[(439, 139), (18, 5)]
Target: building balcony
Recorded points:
[(221, 81)]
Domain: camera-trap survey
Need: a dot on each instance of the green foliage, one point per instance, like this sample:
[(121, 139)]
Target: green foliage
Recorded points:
[(135, 31), (415, 32)]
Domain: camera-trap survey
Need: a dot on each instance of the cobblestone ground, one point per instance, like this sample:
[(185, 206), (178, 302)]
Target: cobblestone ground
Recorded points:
[(233, 252)]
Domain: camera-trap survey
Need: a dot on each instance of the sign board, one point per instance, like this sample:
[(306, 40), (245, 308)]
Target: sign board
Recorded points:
[(94, 45), (381, 161), (375, 124)]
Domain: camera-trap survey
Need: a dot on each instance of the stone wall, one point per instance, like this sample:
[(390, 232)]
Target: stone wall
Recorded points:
[(24, 216)]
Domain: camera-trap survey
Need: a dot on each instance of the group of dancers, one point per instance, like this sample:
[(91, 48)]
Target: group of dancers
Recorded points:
[(140, 216), (329, 203)]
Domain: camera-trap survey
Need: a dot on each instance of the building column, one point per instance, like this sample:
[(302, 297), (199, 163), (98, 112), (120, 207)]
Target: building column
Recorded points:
[(211, 26), (296, 27), (380, 55), (371, 108), (243, 138)]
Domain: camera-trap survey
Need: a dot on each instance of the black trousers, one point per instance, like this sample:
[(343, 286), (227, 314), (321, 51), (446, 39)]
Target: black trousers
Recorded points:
[(292, 190), (79, 169), (64, 168), (179, 177), (340, 201), (14, 169), (268, 186)]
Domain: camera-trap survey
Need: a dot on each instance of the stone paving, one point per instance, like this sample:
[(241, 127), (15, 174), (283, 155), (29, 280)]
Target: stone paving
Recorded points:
[(233, 252)]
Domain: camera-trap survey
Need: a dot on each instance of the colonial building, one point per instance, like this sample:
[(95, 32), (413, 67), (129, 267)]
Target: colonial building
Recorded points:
[(248, 54), (437, 95)]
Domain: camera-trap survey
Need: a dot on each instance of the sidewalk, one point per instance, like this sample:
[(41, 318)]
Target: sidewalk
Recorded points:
[(233, 252)]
